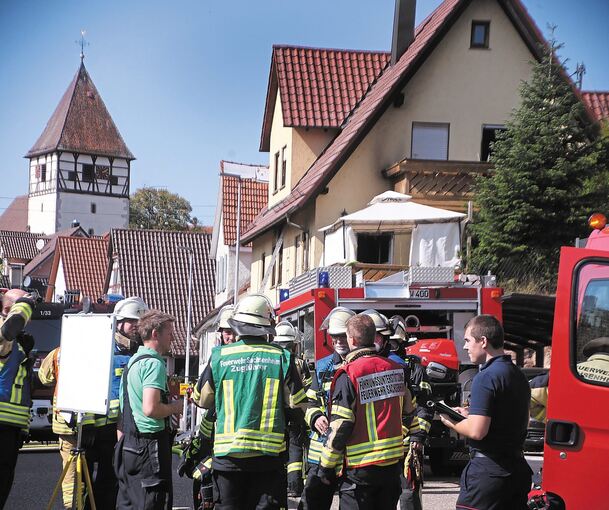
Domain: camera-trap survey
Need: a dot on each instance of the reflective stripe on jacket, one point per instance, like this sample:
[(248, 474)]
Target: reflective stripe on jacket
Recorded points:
[(15, 391)]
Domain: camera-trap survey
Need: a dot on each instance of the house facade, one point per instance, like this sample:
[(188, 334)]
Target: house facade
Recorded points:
[(422, 126), (251, 183)]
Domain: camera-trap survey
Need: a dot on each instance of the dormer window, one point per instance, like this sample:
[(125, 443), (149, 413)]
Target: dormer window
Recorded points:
[(480, 33)]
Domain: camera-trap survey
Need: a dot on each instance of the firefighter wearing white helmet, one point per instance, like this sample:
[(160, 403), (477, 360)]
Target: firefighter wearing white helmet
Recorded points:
[(383, 331), (316, 495), (250, 383), (225, 333), (288, 337)]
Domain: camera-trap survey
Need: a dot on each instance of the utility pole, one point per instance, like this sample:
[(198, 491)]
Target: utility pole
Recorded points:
[(238, 240), (188, 249)]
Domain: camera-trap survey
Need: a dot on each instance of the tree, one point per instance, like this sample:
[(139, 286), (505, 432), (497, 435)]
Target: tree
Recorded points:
[(549, 175), (159, 209)]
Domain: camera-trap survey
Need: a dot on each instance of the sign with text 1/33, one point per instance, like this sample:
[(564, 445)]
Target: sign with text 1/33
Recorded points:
[(85, 363)]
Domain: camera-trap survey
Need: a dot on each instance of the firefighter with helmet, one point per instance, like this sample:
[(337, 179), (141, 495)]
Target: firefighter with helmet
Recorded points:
[(417, 427), (288, 337), (250, 383), (369, 397), (225, 333), (99, 442), (15, 377), (316, 495)]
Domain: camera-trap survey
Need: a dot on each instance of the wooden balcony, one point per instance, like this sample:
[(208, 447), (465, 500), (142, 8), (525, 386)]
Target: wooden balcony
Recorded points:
[(444, 184)]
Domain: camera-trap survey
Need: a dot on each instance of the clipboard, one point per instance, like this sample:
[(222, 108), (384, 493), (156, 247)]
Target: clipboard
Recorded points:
[(442, 408)]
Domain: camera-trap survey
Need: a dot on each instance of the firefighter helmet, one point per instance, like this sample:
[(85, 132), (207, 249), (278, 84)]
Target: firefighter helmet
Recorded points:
[(225, 313), (336, 321), (130, 308), (381, 323), (253, 316), (398, 325), (286, 334)]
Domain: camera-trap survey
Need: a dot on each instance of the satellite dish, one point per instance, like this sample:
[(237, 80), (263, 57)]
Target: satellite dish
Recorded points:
[(27, 281), (40, 244)]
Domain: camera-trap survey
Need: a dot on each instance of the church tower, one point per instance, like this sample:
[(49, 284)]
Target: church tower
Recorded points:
[(80, 166)]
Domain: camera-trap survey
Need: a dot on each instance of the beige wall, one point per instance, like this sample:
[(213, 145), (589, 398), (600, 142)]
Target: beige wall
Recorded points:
[(280, 137), (307, 145)]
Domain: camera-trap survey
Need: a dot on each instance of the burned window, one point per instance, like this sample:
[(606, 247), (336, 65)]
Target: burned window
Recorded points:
[(374, 248)]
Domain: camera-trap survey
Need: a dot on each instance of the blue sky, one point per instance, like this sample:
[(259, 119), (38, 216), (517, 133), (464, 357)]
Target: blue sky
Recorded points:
[(185, 81)]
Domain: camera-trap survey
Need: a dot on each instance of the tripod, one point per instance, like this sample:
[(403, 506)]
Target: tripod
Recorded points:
[(76, 455)]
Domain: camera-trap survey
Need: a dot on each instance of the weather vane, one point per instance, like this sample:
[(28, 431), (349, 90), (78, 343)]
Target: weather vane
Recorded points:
[(82, 43)]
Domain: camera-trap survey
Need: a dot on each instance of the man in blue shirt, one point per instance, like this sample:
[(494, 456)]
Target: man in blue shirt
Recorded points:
[(497, 476)]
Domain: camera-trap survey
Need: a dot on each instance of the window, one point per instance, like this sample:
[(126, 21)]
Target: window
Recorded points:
[(43, 173), (42, 207), (305, 252), (296, 245), (221, 275), (262, 266), (276, 172), (88, 173), (16, 275), (91, 232), (480, 30), (429, 141), (592, 309), (280, 265), (71, 175), (284, 165), (374, 248), (273, 269), (489, 135), (93, 208)]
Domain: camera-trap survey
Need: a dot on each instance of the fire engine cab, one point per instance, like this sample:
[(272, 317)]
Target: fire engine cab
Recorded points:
[(436, 305), (576, 451)]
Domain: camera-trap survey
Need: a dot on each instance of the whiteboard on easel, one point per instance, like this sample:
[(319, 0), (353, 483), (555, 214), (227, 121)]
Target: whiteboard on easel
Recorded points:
[(85, 363)]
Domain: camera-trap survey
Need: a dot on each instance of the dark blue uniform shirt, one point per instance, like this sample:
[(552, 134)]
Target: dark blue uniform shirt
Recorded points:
[(501, 391)]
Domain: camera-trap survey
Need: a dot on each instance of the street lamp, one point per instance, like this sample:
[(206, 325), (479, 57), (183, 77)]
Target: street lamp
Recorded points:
[(188, 249)]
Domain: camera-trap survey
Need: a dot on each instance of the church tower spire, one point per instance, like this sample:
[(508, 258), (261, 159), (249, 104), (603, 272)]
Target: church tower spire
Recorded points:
[(80, 165)]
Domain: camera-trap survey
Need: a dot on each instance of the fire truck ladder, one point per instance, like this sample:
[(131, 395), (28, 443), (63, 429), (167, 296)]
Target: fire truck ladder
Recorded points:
[(267, 273)]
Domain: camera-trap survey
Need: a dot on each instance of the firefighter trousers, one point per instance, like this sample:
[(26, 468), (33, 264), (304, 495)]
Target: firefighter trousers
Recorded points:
[(249, 490), (11, 439), (67, 442), (296, 435), (370, 488), (316, 495)]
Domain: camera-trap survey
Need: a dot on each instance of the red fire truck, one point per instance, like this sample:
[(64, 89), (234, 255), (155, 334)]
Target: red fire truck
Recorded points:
[(576, 450), (436, 304)]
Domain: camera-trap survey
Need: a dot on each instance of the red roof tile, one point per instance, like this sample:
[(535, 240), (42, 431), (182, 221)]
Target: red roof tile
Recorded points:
[(48, 251), (153, 267), (598, 103), (14, 216), (376, 100), (318, 87), (85, 264), (19, 245), (81, 123), (254, 197)]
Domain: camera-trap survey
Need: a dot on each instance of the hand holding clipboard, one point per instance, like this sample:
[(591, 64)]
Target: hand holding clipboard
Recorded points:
[(442, 408)]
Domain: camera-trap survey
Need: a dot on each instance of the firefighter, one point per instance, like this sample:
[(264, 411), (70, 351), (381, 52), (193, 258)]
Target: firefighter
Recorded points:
[(15, 378), (416, 427), (99, 441), (143, 453), (288, 337), (368, 397), (225, 334), (316, 495), (48, 373), (539, 396), (383, 333), (250, 383)]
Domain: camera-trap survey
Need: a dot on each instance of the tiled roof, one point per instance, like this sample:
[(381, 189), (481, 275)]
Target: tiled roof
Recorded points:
[(49, 249), (14, 216), (85, 264), (598, 103), (378, 98), (19, 245), (81, 123), (254, 197), (318, 87), (153, 267)]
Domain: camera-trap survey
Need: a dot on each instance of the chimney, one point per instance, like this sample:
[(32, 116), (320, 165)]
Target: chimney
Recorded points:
[(403, 28)]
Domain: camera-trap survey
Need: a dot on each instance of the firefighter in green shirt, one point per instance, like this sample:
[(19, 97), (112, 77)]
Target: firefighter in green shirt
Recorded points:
[(250, 383)]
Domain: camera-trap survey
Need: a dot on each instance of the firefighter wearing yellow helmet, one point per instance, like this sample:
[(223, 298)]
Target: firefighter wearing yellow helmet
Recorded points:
[(250, 383)]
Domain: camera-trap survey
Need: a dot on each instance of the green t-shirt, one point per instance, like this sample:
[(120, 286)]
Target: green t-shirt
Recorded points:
[(148, 373)]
